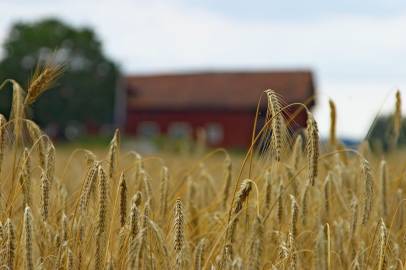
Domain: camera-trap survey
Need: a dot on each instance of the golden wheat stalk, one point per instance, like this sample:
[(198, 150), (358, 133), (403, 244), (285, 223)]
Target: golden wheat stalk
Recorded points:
[(368, 195), (256, 245), (28, 233), (199, 254), (123, 200), (113, 154), (163, 202), (227, 182), (267, 190), (397, 118), (25, 177), (44, 196), (274, 108), (50, 163), (101, 223), (333, 120), (297, 152), (293, 216), (312, 147), (383, 178), (179, 236), (3, 122), (382, 246), (17, 111), (43, 79), (10, 249)]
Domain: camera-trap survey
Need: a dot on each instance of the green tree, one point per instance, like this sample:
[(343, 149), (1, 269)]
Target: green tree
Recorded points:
[(86, 90), (381, 134)]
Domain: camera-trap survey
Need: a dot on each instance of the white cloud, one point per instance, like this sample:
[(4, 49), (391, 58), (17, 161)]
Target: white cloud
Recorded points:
[(357, 60)]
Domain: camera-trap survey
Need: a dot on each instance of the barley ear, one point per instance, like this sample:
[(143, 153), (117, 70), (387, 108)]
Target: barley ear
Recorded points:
[(50, 163), (123, 200), (44, 196), (267, 190), (312, 147), (382, 245), (199, 254), (383, 178), (227, 180), (368, 195), (274, 108), (113, 154), (25, 177), (297, 152), (43, 79), (294, 216), (10, 244), (28, 234), (101, 223), (397, 119), (179, 237), (3, 122), (17, 111), (333, 115), (163, 202)]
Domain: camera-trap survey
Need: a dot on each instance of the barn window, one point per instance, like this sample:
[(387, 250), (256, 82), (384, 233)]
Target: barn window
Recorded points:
[(148, 129), (215, 133), (179, 130)]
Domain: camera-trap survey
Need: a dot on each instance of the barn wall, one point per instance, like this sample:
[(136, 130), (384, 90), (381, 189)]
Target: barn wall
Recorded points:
[(237, 125)]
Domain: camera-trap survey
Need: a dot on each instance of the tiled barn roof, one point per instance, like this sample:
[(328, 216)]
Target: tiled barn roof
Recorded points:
[(216, 90)]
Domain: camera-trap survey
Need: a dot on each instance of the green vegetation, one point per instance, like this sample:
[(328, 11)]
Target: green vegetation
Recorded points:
[(86, 92)]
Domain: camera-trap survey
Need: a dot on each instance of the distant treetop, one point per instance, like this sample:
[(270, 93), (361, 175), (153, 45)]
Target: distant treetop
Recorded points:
[(84, 95)]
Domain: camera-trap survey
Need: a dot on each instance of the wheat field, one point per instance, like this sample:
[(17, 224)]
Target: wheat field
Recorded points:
[(287, 204)]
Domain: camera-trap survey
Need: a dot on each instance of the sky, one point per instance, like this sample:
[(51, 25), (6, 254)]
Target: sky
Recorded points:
[(356, 49)]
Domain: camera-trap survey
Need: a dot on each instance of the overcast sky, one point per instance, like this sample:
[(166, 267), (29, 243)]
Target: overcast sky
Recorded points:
[(357, 49)]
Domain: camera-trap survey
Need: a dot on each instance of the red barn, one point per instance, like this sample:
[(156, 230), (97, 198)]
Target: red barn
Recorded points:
[(223, 103)]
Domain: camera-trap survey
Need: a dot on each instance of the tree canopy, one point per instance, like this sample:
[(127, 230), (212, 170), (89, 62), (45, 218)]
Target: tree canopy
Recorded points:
[(85, 92), (381, 135)]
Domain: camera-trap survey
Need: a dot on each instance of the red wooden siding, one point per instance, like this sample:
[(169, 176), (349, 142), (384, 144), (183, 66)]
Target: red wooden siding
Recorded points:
[(226, 99)]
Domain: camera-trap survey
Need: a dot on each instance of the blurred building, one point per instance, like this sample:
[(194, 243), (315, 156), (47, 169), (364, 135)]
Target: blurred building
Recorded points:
[(222, 103)]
